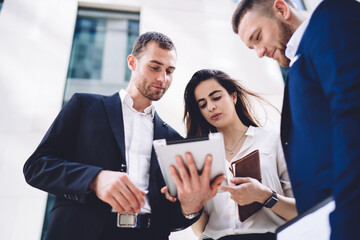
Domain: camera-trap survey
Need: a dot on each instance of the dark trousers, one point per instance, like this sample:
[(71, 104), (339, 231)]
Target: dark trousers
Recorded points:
[(254, 236)]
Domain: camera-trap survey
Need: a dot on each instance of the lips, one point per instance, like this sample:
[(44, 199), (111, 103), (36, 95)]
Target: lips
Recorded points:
[(215, 116), (159, 87)]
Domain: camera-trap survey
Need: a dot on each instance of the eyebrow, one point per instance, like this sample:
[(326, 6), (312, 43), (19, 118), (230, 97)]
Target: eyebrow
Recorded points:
[(161, 64), (212, 93)]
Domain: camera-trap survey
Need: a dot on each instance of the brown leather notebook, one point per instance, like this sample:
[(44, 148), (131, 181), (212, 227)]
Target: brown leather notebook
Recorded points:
[(248, 166)]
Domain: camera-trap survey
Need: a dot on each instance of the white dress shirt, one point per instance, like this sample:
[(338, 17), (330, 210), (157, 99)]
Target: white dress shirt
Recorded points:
[(294, 42), (223, 211), (139, 134)]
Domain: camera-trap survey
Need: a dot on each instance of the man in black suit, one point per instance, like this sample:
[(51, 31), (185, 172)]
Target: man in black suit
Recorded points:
[(97, 158)]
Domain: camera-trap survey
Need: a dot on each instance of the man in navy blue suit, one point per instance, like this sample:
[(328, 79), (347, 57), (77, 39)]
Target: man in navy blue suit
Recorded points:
[(97, 159), (320, 124)]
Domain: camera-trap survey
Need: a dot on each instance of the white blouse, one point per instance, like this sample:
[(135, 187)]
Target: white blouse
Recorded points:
[(222, 210)]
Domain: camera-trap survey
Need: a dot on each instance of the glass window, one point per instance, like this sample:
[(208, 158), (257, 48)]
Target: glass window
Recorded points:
[(299, 4), (1, 4), (102, 41)]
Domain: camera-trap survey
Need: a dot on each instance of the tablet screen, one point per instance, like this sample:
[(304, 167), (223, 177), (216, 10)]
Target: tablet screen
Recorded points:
[(199, 147)]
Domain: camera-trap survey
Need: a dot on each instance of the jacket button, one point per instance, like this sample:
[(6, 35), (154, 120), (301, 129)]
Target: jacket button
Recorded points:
[(286, 143)]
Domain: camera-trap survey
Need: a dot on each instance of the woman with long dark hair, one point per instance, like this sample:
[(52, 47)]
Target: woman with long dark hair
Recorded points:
[(214, 102)]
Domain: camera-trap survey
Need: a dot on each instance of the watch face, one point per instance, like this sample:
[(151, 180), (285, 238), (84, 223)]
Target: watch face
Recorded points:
[(271, 201), (191, 216), (194, 215)]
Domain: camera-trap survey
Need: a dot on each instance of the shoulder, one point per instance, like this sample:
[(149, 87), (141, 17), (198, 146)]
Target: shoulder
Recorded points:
[(260, 132), (90, 98), (172, 133), (334, 12)]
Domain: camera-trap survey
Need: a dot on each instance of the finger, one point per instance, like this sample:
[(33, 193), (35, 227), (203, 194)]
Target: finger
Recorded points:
[(169, 197), (132, 193), (123, 202), (182, 170), (239, 180), (230, 189), (175, 176), (115, 205), (207, 168), (216, 183), (192, 166), (138, 194), (164, 190)]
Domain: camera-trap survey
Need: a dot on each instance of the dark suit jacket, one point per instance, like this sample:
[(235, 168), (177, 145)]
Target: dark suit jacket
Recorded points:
[(86, 137), (320, 126)]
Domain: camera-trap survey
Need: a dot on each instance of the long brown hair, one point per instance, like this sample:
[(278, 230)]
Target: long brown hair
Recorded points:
[(196, 124)]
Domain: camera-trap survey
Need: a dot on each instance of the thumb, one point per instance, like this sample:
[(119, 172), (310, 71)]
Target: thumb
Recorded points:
[(164, 189), (218, 180), (217, 183), (240, 180)]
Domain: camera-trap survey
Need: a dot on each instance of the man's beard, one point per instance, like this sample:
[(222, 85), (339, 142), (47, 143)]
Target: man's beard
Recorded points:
[(285, 35), (146, 92)]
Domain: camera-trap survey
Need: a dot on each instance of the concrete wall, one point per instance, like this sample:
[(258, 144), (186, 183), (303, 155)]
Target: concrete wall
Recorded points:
[(35, 44)]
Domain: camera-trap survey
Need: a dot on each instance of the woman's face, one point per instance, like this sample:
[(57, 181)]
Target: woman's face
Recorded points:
[(215, 103)]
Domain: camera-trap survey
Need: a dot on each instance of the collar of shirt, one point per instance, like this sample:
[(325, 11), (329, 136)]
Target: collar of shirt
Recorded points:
[(128, 101), (294, 42), (247, 143)]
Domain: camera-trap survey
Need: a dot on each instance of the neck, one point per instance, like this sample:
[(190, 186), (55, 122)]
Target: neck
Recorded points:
[(140, 102), (297, 18), (231, 132)]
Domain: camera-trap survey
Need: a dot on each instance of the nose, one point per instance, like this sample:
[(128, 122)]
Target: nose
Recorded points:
[(211, 106), (260, 51), (162, 76)]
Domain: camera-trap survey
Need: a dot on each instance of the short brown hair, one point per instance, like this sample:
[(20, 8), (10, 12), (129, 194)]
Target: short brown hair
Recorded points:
[(140, 43), (262, 6)]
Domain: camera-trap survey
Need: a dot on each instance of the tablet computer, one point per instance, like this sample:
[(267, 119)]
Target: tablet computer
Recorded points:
[(199, 147)]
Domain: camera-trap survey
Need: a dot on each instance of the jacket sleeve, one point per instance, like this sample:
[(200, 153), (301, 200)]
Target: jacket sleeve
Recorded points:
[(52, 167), (336, 58)]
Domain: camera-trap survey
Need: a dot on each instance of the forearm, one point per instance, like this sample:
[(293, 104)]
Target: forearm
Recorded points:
[(199, 226), (59, 177), (285, 208)]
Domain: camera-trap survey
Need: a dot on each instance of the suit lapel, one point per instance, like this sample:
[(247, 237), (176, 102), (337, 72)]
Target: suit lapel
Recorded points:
[(285, 117), (113, 109), (160, 131)]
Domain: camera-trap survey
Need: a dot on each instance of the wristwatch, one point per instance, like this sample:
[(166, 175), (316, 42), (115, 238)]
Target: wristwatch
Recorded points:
[(271, 201), (193, 215)]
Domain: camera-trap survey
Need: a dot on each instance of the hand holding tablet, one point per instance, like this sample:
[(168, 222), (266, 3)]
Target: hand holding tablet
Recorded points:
[(171, 153)]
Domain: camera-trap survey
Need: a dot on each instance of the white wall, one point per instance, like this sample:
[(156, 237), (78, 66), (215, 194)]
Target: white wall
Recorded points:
[(35, 44)]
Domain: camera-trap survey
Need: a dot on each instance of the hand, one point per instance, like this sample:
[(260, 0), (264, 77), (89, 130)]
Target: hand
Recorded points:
[(247, 190), (194, 190), (116, 189)]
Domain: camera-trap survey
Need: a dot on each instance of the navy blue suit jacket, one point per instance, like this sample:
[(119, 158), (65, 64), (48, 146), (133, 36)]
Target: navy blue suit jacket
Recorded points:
[(86, 137), (320, 127)]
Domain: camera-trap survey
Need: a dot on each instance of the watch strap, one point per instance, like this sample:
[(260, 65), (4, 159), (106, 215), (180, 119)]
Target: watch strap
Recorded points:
[(271, 201), (193, 215)]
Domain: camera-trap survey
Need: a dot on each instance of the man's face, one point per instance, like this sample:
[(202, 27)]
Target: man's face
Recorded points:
[(267, 36), (153, 71)]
